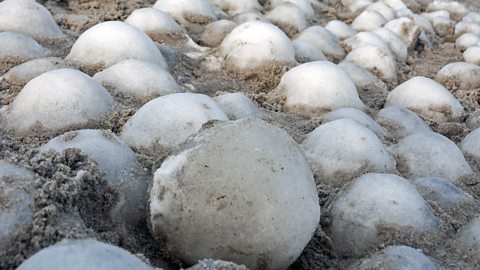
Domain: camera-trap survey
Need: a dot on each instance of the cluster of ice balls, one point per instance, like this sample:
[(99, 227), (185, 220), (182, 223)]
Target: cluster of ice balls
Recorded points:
[(243, 168)]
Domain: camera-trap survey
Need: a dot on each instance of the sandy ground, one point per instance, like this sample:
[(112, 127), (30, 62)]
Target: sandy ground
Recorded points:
[(65, 210)]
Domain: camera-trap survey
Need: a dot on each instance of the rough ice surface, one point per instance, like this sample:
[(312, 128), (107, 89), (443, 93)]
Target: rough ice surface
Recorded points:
[(307, 52), (19, 46), (459, 75), (167, 121), (216, 31), (405, 28), (431, 154), (142, 80), (442, 192), (324, 40), (319, 86), (469, 238), (249, 16), (237, 106), (401, 122), (340, 29), (188, 11), (254, 45), (241, 191), (17, 200), (472, 55), (471, 145), (398, 258), (56, 100), (344, 149), (375, 200), (396, 43), (427, 98), (117, 161), (233, 7), (81, 255), (424, 23), (368, 20), (374, 58), (23, 73), (28, 17), (357, 115), (155, 23), (109, 43), (467, 40), (288, 17)]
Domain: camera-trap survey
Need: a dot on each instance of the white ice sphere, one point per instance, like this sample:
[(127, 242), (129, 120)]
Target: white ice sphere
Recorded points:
[(155, 23), (255, 44), (395, 4), (240, 191), (109, 43), (452, 7), (397, 45), (374, 200), (365, 38), (18, 48), (216, 31), (142, 80), (83, 254), (21, 74), (56, 100), (355, 6), (360, 76), (307, 52), (459, 75), (340, 29), (319, 86), (16, 210), (249, 16), (368, 20), (472, 16), (375, 59), (233, 7), (424, 23), (28, 17), (467, 27), (343, 149), (468, 239), (427, 98), (443, 26), (114, 158), (305, 5), (471, 145), (467, 40), (430, 154), (382, 8), (397, 258), (237, 106), (288, 17), (405, 28), (188, 11), (357, 115), (324, 40), (472, 54), (170, 120), (442, 192), (401, 122)]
